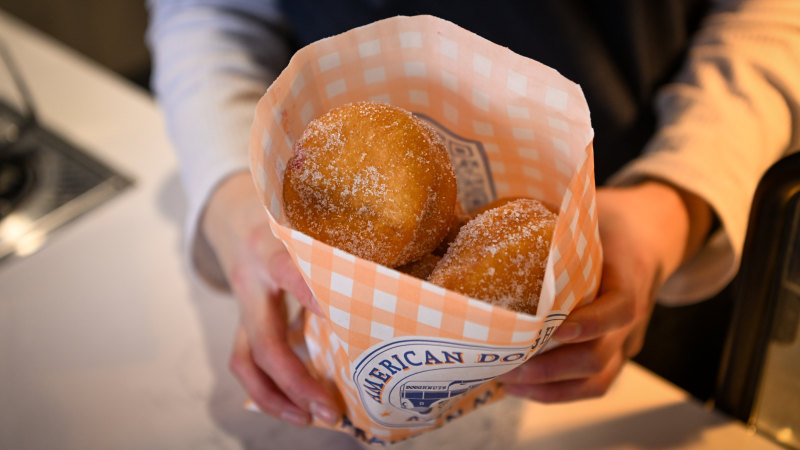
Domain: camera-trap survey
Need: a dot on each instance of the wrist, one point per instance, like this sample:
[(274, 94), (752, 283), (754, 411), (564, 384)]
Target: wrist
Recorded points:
[(681, 219), (227, 203), (701, 222), (668, 220), (234, 220), (649, 223)]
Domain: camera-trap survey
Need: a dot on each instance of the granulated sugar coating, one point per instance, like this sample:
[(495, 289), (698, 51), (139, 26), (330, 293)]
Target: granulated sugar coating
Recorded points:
[(460, 218), (373, 180), (500, 256), (422, 267)]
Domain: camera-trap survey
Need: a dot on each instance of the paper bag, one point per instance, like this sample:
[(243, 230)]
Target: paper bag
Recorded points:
[(402, 355)]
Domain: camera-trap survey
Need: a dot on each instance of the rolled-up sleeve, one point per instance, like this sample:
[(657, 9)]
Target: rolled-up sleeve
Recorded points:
[(212, 60), (733, 110)]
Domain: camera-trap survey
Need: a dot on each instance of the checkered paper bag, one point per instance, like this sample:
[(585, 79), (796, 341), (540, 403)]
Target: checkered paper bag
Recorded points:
[(402, 355)]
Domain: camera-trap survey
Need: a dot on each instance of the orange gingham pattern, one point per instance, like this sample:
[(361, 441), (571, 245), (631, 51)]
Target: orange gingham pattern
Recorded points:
[(534, 125), (327, 351)]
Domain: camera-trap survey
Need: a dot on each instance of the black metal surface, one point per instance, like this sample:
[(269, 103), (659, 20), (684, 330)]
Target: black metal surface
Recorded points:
[(769, 251)]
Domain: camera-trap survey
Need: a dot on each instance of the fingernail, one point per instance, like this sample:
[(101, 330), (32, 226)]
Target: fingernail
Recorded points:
[(251, 406), (295, 418), (567, 331), (325, 413)]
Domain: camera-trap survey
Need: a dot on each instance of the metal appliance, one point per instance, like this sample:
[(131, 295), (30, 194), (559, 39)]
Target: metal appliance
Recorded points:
[(759, 379), (45, 180)]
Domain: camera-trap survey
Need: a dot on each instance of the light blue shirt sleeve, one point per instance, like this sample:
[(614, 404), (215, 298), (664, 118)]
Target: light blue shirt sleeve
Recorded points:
[(212, 61)]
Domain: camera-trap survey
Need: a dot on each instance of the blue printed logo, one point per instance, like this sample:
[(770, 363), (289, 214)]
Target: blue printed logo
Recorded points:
[(423, 396), (411, 382)]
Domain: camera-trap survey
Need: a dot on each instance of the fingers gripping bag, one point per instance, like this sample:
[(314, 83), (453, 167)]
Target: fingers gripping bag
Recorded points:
[(402, 355)]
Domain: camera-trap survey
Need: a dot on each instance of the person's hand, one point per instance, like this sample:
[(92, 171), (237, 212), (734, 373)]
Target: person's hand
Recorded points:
[(645, 233), (259, 271)]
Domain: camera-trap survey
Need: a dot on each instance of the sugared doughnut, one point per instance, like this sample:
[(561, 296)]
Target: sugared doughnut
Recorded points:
[(494, 204), (373, 180), (500, 256), (460, 217), (422, 267)]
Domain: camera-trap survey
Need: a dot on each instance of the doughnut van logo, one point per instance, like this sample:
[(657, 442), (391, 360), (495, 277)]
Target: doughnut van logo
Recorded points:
[(412, 381)]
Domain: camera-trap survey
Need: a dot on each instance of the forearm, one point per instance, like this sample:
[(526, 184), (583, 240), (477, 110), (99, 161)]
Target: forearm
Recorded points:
[(731, 112), (212, 62)]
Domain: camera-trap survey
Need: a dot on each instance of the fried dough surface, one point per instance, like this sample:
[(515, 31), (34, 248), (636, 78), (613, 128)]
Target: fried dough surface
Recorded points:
[(373, 180), (422, 267), (500, 256)]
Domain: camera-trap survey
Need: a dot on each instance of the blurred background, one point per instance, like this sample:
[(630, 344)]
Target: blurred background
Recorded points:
[(109, 32)]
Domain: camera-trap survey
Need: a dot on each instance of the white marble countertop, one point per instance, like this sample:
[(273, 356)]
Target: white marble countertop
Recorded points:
[(105, 342)]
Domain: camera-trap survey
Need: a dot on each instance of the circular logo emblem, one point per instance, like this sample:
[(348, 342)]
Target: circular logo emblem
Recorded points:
[(412, 381)]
